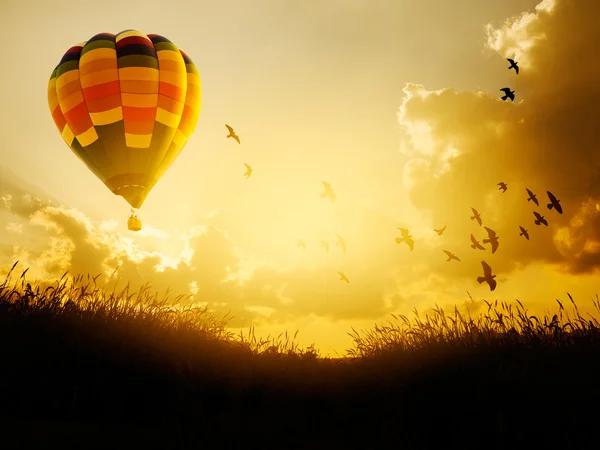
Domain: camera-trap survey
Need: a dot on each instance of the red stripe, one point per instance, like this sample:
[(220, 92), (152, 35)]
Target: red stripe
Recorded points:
[(81, 126), (76, 114), (134, 40), (101, 90), (139, 114), (75, 49)]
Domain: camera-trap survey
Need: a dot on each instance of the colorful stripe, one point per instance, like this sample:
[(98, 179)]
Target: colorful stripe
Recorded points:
[(125, 104)]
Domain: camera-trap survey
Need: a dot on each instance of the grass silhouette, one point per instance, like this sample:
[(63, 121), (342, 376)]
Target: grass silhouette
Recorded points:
[(85, 368)]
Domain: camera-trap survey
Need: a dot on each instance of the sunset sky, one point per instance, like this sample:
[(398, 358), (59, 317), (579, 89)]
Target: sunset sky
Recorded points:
[(396, 103)]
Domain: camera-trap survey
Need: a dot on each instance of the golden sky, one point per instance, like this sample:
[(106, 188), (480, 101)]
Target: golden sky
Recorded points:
[(395, 103)]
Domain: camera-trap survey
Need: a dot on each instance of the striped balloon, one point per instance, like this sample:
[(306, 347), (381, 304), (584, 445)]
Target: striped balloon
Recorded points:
[(126, 105)]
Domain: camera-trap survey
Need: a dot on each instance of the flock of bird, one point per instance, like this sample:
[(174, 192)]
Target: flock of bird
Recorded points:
[(407, 238)]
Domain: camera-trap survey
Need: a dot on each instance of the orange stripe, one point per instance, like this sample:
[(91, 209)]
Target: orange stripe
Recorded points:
[(101, 90), (171, 65), (59, 119), (170, 105), (174, 92), (142, 114), (139, 87), (138, 127), (104, 104), (98, 65), (81, 124), (68, 89)]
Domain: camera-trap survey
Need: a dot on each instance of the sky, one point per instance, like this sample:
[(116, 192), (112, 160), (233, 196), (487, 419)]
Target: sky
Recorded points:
[(395, 103)]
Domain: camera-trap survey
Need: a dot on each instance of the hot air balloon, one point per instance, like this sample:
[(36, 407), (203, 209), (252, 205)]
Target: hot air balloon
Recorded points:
[(126, 105)]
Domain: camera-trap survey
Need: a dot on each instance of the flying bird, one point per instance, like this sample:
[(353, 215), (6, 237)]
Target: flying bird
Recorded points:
[(476, 216), (248, 171), (532, 197), (508, 94), (341, 242), (555, 203), (406, 237), (441, 230), (513, 65), (301, 244), (539, 219), (325, 245), (492, 239), (328, 191), (503, 187), (343, 277), (487, 276), (524, 232), (475, 243), (232, 134), (451, 256)]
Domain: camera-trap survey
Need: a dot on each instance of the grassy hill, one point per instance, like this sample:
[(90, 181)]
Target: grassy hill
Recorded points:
[(84, 368)]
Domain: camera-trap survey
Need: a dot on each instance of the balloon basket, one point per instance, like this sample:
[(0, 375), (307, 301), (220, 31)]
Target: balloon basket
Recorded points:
[(134, 224)]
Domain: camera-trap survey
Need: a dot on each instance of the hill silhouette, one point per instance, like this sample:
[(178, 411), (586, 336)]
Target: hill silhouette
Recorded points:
[(86, 368)]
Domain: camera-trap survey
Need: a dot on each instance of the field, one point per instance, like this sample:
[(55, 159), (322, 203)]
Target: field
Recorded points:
[(84, 368)]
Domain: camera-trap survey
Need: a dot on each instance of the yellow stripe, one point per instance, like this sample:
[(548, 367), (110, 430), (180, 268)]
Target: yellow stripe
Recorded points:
[(171, 55), (166, 118), (97, 53), (95, 78), (88, 137), (67, 77), (193, 78), (138, 140), (138, 74), (67, 135), (179, 138), (67, 104), (175, 78), (131, 33), (107, 117), (52, 85), (139, 100)]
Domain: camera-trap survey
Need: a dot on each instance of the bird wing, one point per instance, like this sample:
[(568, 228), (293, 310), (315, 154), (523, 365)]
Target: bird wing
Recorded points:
[(229, 128), (551, 197), (511, 61), (248, 167), (326, 184), (537, 215), (474, 211), (529, 192), (487, 270), (505, 90), (237, 138), (491, 233), (517, 69), (448, 253), (473, 240), (494, 243)]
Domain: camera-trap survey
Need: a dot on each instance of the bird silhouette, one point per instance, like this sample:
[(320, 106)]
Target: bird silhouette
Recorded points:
[(475, 243), (328, 191), (503, 187), (513, 65), (341, 242), (301, 244), (343, 277), (325, 245), (487, 276), (532, 197), (441, 230), (476, 216), (406, 237), (508, 94), (451, 256), (492, 239), (524, 232), (232, 134), (248, 171), (539, 219), (555, 203)]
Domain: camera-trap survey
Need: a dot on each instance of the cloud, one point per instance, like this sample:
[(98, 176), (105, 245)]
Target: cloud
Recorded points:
[(463, 143)]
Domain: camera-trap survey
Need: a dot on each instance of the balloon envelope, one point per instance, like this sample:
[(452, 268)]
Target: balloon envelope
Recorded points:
[(126, 104)]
